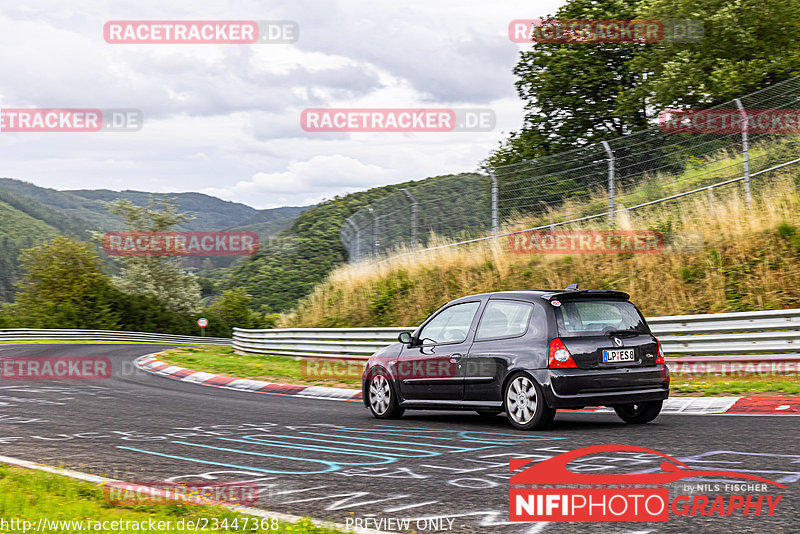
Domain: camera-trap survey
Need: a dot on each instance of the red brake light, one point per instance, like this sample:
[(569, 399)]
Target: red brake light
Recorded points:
[(560, 357), (660, 357)]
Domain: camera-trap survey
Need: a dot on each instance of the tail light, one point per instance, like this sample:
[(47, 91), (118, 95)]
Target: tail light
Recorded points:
[(660, 357), (560, 358)]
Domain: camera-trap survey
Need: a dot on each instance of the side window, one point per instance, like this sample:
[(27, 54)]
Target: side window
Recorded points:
[(451, 325), (504, 318)]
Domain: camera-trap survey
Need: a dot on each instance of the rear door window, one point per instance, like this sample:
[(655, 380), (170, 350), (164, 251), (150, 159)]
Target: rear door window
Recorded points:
[(594, 317), (504, 318)]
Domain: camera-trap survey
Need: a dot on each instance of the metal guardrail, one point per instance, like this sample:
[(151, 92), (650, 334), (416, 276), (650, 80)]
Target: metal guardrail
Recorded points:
[(31, 334), (344, 343), (716, 337)]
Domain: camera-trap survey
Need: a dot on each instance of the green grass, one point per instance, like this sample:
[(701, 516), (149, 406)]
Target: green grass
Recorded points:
[(30, 495), (220, 359), (745, 384), (68, 341)]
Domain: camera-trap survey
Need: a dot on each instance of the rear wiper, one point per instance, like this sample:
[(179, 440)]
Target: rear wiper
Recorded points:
[(624, 332)]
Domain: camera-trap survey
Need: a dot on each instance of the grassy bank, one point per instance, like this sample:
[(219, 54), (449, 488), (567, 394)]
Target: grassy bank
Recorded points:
[(720, 256), (31, 495), (282, 369)]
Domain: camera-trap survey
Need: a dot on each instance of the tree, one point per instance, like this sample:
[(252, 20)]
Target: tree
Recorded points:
[(232, 310), (62, 287), (747, 45), (578, 93), (159, 276), (570, 89)]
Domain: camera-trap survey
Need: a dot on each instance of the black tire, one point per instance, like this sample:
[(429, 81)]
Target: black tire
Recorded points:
[(639, 413), (489, 413), (382, 398), (524, 403)]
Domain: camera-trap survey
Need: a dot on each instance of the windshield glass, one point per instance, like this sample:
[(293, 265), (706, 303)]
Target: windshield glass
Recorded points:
[(593, 316)]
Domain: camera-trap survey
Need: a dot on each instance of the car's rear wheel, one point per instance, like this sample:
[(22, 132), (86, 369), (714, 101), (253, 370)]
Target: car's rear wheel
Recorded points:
[(525, 405), (382, 400), (638, 413)]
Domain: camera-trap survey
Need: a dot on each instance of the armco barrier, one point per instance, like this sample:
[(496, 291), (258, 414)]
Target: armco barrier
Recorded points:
[(30, 334), (761, 341)]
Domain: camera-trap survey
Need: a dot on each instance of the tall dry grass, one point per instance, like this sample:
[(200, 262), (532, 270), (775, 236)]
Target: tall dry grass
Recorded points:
[(723, 256)]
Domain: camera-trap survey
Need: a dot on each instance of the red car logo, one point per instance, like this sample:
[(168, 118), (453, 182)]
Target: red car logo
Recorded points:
[(554, 470)]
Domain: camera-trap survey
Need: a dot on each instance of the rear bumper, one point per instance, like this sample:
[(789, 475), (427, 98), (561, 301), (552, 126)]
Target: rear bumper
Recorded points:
[(576, 388)]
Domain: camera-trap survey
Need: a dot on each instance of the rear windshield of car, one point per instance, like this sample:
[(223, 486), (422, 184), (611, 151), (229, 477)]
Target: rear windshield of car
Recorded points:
[(594, 316)]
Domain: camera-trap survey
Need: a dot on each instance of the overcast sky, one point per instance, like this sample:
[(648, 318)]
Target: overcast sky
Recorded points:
[(225, 119)]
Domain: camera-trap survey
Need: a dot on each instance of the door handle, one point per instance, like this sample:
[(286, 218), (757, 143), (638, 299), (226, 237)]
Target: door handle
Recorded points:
[(455, 357)]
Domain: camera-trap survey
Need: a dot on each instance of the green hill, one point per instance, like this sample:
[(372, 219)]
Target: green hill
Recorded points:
[(30, 214), (210, 213), (18, 230)]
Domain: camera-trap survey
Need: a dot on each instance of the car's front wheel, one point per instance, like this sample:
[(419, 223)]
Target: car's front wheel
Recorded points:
[(638, 413), (525, 405), (382, 400)]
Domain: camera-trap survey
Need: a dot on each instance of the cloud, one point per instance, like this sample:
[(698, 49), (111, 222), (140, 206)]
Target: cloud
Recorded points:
[(225, 118), (306, 182)]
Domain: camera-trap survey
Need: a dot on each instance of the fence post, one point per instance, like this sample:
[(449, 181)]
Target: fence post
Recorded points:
[(711, 199), (375, 242), (414, 214), (356, 252), (494, 204), (610, 183), (745, 151)]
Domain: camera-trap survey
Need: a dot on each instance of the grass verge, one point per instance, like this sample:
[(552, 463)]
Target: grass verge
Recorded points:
[(27, 495), (747, 385), (82, 342), (220, 359)]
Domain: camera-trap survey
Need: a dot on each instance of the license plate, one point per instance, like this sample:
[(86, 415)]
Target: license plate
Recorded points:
[(618, 355)]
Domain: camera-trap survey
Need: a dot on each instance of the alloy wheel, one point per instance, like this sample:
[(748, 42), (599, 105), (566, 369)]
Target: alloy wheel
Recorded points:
[(521, 400)]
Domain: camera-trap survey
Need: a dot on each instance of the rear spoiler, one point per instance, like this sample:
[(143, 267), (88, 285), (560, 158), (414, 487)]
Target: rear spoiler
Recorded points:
[(590, 293)]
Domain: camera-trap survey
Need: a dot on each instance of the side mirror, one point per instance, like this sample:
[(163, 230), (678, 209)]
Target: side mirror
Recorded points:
[(404, 338)]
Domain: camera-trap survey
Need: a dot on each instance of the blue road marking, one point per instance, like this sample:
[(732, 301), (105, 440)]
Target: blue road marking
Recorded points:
[(303, 447), (349, 443), (331, 465), (457, 449), (371, 446)]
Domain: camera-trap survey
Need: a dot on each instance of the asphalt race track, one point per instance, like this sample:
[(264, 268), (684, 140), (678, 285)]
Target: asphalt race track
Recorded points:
[(332, 460)]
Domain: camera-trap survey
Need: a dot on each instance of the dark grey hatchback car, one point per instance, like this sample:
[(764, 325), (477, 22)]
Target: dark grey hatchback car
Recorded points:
[(525, 353)]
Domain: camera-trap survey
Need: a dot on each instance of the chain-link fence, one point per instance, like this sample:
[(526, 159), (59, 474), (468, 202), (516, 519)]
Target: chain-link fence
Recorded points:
[(449, 207), (687, 152)]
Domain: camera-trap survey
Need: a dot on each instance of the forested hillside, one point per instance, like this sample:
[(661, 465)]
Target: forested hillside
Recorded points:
[(307, 252), (30, 215)]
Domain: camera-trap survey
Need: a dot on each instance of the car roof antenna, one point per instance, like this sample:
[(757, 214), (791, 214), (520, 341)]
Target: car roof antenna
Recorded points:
[(572, 287)]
